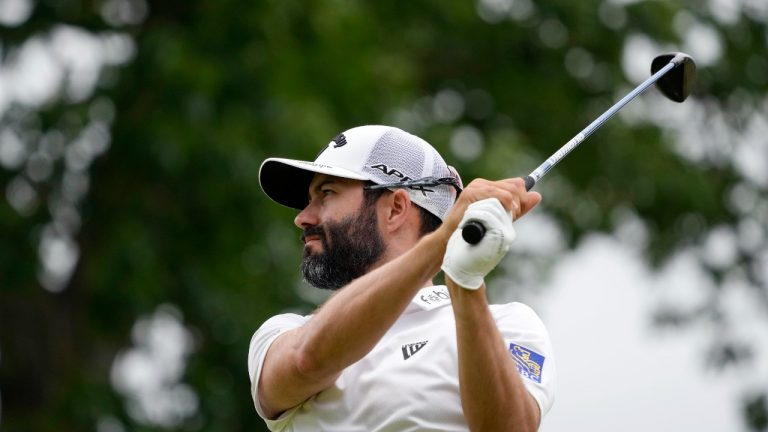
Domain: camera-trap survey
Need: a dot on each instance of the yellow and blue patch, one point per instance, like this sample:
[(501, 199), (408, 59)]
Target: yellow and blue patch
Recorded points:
[(529, 363)]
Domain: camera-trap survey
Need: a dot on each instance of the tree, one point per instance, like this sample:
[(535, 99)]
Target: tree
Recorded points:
[(132, 184)]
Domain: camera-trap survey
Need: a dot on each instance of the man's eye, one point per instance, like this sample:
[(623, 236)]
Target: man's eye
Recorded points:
[(326, 192)]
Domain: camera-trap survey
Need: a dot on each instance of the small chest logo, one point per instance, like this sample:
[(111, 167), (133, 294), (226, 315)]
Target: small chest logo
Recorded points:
[(529, 363), (411, 349)]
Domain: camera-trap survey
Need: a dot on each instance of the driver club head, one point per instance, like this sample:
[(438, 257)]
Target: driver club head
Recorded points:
[(678, 82)]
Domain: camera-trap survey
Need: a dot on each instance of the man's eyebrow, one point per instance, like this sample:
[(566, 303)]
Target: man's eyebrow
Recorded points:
[(324, 183), (320, 185)]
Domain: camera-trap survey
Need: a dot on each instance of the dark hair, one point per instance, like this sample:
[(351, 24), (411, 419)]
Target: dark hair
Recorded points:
[(429, 222)]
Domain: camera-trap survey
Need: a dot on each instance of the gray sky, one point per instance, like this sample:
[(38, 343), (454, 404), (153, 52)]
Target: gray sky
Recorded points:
[(615, 371)]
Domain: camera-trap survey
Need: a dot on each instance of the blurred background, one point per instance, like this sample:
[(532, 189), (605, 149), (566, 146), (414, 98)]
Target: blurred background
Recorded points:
[(138, 254)]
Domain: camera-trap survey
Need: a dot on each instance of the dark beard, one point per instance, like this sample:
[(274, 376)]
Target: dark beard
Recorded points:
[(355, 245)]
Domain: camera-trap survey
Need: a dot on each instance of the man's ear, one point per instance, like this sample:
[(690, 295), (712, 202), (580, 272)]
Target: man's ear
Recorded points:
[(398, 209)]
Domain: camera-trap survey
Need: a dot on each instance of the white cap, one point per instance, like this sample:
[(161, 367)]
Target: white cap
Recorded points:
[(381, 154)]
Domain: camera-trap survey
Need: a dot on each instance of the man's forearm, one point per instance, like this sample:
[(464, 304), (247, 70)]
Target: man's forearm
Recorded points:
[(492, 393)]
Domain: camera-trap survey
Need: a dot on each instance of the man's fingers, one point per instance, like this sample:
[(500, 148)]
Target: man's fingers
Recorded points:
[(532, 199), (510, 192), (515, 198)]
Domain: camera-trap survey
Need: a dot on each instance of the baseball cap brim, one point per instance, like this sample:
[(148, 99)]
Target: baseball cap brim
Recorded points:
[(286, 181)]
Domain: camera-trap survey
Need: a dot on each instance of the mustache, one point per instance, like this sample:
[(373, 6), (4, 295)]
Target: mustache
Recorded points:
[(316, 230)]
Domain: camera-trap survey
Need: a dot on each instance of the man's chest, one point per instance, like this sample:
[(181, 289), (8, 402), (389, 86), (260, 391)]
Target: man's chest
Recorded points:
[(411, 375)]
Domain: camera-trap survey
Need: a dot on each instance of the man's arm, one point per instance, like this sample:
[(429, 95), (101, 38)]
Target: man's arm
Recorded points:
[(306, 360), (492, 393)]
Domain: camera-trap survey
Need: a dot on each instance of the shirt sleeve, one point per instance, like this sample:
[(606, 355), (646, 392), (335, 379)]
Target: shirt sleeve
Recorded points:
[(528, 343), (257, 352)]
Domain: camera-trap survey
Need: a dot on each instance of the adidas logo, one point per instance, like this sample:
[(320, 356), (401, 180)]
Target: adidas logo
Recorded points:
[(411, 349)]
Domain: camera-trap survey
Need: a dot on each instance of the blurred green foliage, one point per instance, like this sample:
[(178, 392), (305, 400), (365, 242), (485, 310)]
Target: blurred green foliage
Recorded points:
[(173, 213)]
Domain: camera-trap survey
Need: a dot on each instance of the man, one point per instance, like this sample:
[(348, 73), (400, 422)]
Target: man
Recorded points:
[(389, 351)]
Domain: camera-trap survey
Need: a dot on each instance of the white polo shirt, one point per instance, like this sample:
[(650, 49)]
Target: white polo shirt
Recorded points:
[(410, 379)]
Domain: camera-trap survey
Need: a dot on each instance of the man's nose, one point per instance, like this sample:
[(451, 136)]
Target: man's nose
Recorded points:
[(307, 217)]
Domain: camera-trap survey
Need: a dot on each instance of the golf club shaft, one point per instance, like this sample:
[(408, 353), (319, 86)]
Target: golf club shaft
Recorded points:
[(543, 169), (473, 231)]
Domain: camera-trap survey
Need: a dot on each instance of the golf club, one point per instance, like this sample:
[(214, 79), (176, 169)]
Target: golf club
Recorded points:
[(674, 75)]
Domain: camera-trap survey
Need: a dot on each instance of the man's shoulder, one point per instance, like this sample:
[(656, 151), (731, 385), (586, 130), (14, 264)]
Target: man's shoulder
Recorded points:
[(285, 320), (512, 307), (516, 311)]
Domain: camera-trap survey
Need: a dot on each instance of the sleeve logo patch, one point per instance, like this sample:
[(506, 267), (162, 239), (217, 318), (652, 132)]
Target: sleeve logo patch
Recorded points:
[(529, 363)]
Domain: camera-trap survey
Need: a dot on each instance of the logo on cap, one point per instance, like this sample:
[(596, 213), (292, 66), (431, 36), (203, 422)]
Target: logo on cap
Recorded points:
[(395, 173), (339, 140)]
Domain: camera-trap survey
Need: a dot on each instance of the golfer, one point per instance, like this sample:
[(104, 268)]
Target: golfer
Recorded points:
[(380, 214)]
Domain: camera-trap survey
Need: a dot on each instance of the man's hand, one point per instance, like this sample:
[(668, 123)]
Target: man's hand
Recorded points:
[(468, 264), (511, 194)]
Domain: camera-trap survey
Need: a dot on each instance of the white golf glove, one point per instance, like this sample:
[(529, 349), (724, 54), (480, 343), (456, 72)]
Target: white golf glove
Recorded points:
[(468, 264)]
